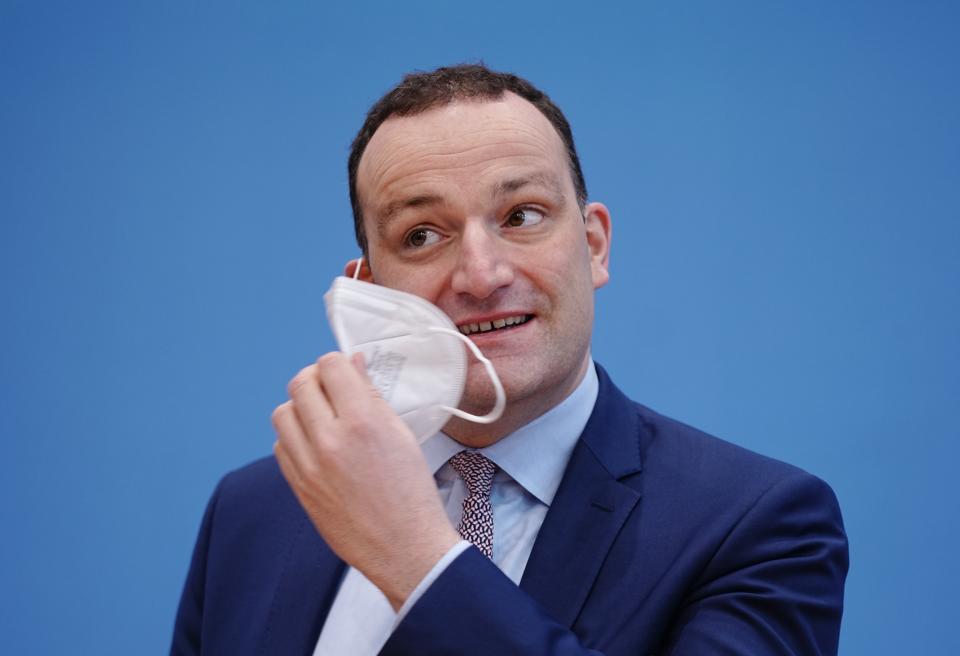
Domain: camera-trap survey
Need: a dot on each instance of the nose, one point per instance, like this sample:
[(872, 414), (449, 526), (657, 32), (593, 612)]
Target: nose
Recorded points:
[(482, 266)]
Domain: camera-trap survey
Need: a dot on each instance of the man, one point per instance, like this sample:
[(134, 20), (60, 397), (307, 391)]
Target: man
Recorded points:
[(614, 530)]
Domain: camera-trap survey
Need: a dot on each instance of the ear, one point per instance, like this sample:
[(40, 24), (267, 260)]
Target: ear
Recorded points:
[(366, 275), (596, 219)]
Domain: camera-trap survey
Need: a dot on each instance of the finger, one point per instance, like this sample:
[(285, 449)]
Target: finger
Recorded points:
[(347, 389), (291, 436), (310, 403), (290, 471), (286, 465)]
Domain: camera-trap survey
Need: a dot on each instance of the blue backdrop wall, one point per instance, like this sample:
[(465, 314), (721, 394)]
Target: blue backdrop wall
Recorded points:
[(785, 185)]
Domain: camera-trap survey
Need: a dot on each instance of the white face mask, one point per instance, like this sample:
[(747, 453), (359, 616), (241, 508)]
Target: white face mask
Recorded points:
[(412, 350)]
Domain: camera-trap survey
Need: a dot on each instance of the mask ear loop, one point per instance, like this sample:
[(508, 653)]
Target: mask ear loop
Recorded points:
[(501, 402), (336, 319)]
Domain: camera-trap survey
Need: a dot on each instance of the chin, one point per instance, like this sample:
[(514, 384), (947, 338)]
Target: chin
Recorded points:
[(479, 396), (519, 379)]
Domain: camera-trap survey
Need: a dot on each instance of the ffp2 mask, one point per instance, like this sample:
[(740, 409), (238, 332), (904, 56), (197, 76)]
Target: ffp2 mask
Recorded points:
[(412, 351)]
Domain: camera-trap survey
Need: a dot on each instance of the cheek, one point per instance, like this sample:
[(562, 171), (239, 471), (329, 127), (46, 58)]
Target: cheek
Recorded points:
[(425, 281), (566, 264)]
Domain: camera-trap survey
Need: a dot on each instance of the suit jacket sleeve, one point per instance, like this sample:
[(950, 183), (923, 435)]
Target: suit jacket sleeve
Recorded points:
[(773, 586), (776, 584)]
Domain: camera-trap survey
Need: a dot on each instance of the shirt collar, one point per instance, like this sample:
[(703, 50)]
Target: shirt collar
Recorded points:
[(535, 455)]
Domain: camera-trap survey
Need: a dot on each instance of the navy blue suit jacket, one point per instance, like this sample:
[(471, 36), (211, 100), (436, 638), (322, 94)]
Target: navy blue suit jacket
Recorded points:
[(661, 539)]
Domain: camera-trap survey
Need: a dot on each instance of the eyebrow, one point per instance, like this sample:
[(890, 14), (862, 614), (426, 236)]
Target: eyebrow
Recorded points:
[(543, 179), (394, 208)]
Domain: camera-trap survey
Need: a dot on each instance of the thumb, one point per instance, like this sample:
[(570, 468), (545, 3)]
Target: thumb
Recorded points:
[(360, 365)]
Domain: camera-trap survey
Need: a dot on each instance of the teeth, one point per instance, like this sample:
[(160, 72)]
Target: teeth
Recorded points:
[(496, 324)]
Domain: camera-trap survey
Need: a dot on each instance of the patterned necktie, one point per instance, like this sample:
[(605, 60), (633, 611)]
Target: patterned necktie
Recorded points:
[(476, 525)]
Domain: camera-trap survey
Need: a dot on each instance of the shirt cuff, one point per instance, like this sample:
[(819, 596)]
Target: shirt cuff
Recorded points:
[(431, 576)]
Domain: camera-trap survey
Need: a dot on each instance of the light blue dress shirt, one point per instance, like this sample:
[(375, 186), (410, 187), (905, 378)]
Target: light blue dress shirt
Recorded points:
[(530, 464)]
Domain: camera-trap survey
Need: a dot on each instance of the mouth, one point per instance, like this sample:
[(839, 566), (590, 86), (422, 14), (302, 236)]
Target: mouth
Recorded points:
[(494, 325)]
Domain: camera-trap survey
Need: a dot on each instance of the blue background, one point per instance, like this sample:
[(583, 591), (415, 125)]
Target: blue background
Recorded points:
[(785, 185)]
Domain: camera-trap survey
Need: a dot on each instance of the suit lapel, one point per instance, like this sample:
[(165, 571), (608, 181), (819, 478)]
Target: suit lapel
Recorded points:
[(304, 593), (589, 509)]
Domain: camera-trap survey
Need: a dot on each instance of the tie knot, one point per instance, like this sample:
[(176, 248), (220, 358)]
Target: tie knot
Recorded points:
[(476, 470)]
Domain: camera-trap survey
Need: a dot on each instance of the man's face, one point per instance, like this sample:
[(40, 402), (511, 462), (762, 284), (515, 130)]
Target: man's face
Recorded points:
[(472, 207)]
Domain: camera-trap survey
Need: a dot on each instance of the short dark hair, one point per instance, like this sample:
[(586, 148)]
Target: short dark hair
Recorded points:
[(422, 91)]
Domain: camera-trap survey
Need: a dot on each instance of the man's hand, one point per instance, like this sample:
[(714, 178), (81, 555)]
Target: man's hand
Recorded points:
[(358, 472)]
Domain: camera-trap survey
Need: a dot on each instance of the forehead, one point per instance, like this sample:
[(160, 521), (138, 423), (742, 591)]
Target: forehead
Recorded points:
[(465, 143)]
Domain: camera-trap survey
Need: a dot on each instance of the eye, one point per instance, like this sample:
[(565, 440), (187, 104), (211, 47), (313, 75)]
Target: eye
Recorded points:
[(524, 216), (421, 237)]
